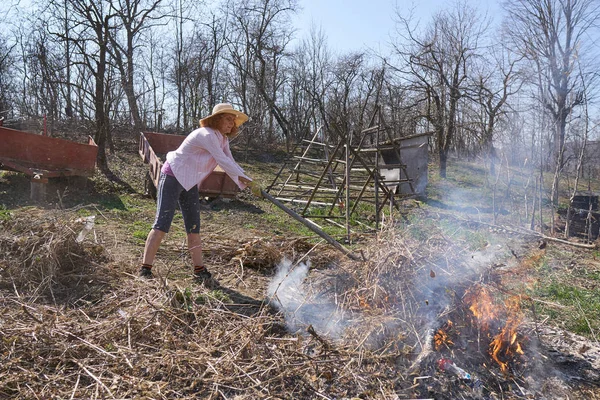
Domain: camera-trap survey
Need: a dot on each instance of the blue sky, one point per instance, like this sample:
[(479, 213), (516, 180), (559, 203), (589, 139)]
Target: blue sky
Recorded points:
[(358, 24)]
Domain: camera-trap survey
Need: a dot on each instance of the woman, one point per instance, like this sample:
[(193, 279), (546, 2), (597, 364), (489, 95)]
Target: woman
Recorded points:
[(185, 169)]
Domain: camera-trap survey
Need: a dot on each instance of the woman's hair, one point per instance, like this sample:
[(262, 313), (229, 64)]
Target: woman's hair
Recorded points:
[(213, 122)]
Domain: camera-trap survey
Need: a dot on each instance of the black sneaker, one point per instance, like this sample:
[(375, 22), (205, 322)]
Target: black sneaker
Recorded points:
[(146, 272), (205, 277)]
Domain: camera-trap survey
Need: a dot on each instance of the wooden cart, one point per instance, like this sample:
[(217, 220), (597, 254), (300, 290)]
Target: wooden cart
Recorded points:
[(153, 147), (43, 157)]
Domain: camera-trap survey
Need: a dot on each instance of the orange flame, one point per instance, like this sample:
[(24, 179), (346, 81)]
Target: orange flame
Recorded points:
[(481, 305), (441, 336), (363, 302), (504, 345)]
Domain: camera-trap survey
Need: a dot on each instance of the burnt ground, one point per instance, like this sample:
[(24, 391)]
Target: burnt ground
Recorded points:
[(77, 322)]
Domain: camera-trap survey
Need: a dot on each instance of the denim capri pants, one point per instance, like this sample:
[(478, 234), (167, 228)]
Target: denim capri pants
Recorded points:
[(169, 193)]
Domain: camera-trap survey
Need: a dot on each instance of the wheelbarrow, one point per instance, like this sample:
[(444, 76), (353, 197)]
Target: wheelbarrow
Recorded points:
[(44, 157)]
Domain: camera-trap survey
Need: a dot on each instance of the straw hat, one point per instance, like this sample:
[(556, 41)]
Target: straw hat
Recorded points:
[(226, 108)]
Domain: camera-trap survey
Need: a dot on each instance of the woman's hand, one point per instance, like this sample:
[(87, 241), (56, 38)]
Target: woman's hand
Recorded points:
[(253, 185), (256, 189)]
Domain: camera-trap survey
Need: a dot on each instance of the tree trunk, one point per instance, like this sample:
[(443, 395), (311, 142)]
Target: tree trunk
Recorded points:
[(102, 122), (443, 162)]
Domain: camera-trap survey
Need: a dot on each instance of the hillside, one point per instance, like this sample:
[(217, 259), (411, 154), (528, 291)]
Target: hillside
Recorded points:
[(292, 317)]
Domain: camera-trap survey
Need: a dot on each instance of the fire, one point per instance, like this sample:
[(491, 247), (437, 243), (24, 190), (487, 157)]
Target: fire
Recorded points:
[(363, 302), (504, 346), (441, 336), (481, 305)]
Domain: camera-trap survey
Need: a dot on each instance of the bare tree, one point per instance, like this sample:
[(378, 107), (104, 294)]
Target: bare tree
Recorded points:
[(492, 87), (184, 12), (201, 69), (216, 31), (154, 81), (25, 104), (48, 68), (310, 79), (438, 63), (135, 16), (91, 40), (6, 76), (261, 35), (345, 72), (551, 33), (300, 105)]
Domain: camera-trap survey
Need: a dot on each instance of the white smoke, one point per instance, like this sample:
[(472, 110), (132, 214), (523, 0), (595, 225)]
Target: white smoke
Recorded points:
[(290, 294)]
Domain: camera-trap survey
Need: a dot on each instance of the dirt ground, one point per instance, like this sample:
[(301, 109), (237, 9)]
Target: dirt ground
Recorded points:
[(77, 321)]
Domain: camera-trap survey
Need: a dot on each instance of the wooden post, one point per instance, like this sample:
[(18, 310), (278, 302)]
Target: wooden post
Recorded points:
[(38, 187), (347, 172), (376, 169)]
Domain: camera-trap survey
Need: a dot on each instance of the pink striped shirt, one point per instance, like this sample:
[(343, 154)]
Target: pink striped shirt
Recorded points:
[(166, 169), (199, 154)]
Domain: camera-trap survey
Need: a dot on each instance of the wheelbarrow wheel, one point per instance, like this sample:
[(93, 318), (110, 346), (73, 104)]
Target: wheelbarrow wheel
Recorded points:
[(149, 188)]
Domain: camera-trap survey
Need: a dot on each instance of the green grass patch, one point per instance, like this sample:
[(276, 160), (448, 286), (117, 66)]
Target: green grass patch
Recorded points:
[(422, 230), (541, 265), (281, 222), (419, 229), (137, 202), (139, 229), (218, 295), (125, 203), (595, 276), (466, 175), (475, 240), (5, 214), (583, 313), (185, 298)]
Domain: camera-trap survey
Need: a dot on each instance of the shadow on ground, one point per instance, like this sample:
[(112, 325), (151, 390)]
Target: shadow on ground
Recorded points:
[(61, 193), (220, 204)]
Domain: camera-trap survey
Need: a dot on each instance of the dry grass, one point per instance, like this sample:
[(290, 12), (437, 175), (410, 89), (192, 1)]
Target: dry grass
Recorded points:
[(75, 325), (42, 257)]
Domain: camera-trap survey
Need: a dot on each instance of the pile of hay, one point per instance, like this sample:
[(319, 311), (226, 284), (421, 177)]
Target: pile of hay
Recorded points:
[(44, 255)]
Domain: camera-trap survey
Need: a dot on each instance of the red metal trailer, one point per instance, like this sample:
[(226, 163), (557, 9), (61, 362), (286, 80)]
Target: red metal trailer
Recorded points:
[(43, 157), (153, 147)]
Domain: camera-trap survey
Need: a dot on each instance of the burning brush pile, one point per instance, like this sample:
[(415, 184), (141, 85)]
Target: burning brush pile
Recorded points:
[(441, 319), (486, 338)]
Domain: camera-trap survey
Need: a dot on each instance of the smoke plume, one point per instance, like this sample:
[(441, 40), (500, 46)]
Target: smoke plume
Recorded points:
[(301, 307)]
